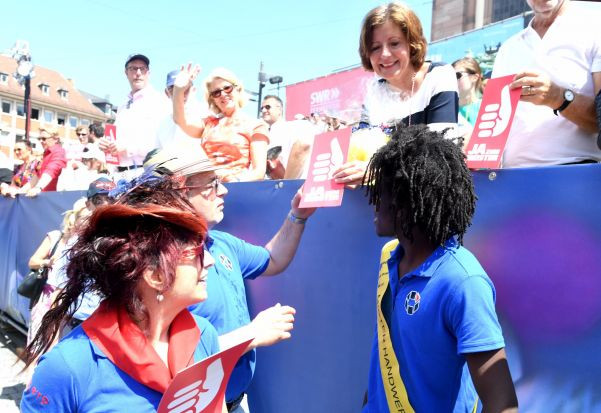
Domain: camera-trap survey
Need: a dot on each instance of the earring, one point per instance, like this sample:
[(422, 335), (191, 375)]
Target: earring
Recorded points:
[(160, 297)]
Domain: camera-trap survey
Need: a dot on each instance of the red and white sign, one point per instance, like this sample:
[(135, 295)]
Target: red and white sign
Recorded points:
[(201, 387), (487, 143), (339, 95), (110, 133), (330, 150)]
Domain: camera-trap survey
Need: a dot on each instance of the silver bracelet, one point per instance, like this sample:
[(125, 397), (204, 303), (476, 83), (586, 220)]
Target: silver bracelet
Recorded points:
[(296, 220)]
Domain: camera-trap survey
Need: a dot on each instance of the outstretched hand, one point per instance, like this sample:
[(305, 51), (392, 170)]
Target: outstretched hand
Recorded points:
[(273, 325), (185, 78)]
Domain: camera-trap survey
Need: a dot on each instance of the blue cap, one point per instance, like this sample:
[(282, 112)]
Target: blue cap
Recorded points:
[(171, 78)]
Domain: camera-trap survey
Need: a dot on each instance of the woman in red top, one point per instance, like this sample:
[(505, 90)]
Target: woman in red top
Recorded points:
[(232, 138)]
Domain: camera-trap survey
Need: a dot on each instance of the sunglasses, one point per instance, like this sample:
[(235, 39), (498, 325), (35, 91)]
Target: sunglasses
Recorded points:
[(226, 89), (266, 107), (17, 150), (460, 74), (42, 139), (212, 186), (82, 134), (194, 252)]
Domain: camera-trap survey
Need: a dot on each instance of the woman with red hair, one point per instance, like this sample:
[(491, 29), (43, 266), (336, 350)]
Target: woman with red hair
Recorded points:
[(148, 264)]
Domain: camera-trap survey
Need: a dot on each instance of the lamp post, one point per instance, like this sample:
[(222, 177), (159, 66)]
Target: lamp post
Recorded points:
[(23, 75), (263, 77)]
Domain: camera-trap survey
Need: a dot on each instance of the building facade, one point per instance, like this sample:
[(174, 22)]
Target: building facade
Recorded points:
[(54, 101)]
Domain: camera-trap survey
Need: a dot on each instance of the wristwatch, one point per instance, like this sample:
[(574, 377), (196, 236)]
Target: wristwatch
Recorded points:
[(568, 97)]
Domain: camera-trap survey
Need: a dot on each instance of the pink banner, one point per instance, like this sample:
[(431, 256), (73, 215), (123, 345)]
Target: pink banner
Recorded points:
[(485, 148), (338, 95)]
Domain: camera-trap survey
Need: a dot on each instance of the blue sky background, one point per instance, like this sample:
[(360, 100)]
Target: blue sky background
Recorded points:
[(89, 40)]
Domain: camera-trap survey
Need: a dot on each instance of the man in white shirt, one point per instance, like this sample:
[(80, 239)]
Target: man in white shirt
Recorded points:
[(169, 135), (137, 119), (557, 59)]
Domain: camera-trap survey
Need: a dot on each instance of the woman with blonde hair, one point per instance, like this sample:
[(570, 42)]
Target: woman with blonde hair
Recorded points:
[(231, 138), (52, 248)]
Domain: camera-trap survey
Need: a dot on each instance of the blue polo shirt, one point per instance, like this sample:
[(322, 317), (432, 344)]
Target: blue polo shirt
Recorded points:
[(226, 307), (441, 311), (76, 376)]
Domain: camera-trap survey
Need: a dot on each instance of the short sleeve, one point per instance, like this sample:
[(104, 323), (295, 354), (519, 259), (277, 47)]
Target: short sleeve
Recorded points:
[(56, 164), (260, 132), (444, 102), (253, 259), (53, 387), (470, 315)]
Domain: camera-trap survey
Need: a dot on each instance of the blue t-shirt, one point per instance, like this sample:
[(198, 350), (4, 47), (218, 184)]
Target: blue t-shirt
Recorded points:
[(76, 376), (441, 311), (226, 307)]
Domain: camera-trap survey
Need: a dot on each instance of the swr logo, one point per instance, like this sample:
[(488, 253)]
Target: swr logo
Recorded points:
[(324, 95), (198, 395), (495, 118)]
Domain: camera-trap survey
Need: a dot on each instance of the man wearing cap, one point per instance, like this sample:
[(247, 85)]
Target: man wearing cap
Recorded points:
[(169, 135), (53, 162), (235, 262), (137, 119)]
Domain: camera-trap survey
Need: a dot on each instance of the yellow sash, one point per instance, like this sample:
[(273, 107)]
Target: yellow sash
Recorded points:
[(396, 394)]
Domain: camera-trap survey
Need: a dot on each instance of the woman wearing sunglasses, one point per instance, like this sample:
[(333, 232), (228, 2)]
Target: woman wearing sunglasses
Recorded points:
[(469, 83), (28, 170), (148, 263), (231, 138)]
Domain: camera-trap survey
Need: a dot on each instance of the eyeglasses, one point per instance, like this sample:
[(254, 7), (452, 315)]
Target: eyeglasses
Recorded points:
[(194, 252), (134, 69), (266, 107), (210, 187), (460, 74), (217, 92), (81, 134), (17, 150), (42, 139)]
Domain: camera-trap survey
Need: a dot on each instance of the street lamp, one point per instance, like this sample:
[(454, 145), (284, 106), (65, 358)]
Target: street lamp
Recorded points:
[(23, 75), (263, 78)]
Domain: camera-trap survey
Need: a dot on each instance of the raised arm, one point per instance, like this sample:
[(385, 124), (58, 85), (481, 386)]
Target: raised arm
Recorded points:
[(284, 243), (183, 84)]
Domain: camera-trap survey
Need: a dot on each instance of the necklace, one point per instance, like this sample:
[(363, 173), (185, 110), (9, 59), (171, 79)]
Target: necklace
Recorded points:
[(411, 95)]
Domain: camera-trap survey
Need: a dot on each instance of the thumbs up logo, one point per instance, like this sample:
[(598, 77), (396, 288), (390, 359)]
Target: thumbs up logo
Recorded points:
[(326, 163), (198, 395), (495, 117)]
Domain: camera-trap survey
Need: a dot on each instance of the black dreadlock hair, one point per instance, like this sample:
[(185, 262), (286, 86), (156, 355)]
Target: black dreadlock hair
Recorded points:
[(430, 185)]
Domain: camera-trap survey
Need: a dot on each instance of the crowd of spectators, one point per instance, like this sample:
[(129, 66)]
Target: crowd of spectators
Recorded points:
[(406, 88)]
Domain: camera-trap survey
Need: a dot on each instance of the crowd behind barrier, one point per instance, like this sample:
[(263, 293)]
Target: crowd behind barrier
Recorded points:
[(536, 232)]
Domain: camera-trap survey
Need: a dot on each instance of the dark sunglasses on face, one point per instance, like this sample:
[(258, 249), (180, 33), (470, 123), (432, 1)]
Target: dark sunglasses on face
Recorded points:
[(17, 150), (266, 107), (42, 139), (460, 74), (226, 89)]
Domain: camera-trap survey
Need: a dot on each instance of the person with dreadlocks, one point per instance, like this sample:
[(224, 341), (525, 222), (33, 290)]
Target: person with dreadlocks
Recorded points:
[(148, 263), (436, 320)]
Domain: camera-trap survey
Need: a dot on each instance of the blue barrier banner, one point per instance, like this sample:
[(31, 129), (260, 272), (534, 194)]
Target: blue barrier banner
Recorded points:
[(536, 232)]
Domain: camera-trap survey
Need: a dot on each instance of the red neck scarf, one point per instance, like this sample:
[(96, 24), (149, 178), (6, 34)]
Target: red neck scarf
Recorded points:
[(122, 341)]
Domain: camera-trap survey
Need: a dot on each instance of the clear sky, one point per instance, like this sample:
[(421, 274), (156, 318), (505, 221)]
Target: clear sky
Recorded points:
[(89, 40)]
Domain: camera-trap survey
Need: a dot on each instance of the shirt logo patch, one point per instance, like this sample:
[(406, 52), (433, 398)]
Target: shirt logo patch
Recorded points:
[(226, 262), (412, 302)]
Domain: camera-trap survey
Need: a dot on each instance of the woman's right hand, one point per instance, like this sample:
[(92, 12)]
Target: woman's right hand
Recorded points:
[(272, 325), (185, 78)]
